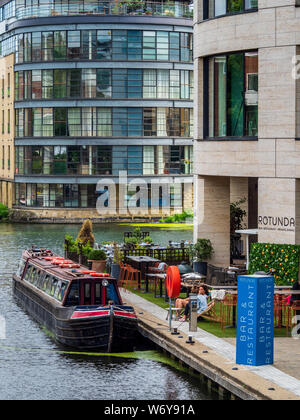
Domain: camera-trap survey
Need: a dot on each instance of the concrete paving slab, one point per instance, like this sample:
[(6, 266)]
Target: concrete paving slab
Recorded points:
[(286, 356)]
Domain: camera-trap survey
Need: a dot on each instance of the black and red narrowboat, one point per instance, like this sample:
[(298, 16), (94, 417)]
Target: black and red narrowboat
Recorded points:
[(81, 308)]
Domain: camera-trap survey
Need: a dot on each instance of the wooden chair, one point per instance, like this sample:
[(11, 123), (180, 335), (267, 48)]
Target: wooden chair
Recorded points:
[(132, 278), (228, 310)]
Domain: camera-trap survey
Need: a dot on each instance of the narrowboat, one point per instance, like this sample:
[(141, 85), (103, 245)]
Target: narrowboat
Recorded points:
[(81, 308)]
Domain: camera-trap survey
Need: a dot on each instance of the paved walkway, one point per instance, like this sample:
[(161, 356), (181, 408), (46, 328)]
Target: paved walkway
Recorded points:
[(285, 372)]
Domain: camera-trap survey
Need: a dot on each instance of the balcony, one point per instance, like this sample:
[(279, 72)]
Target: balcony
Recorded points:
[(107, 8)]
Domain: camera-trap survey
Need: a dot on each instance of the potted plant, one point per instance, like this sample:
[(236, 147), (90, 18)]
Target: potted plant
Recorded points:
[(115, 267), (98, 259), (202, 251)]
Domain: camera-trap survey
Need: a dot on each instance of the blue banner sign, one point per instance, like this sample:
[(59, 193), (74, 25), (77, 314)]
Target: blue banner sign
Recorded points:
[(255, 320)]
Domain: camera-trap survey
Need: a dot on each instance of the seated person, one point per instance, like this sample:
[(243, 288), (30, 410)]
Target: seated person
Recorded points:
[(181, 303), (201, 302)]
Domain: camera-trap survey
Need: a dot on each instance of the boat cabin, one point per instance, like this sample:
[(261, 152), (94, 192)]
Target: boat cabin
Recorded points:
[(70, 284)]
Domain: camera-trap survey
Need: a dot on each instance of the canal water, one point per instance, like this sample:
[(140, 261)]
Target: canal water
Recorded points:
[(33, 366)]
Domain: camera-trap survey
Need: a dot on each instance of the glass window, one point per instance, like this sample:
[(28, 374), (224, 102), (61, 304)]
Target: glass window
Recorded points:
[(135, 122), (36, 46), (149, 84), (173, 122), (37, 160), (47, 122), (104, 45), (120, 122), (56, 195), (103, 160), (162, 83), (104, 83), (174, 46), (149, 45), (74, 83), (73, 50), (88, 116), (60, 45), (217, 97), (119, 83), (135, 82), (149, 116), (134, 45), (47, 46), (104, 122), (47, 84), (89, 42), (233, 95), (135, 160), (119, 159), (74, 122), (119, 45), (60, 83), (88, 83), (148, 160), (174, 84), (162, 46), (60, 122)]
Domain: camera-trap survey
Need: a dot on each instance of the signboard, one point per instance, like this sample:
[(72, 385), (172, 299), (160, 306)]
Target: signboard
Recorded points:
[(255, 320)]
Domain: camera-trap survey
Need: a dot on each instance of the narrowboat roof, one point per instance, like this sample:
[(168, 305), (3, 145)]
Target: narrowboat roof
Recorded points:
[(61, 267)]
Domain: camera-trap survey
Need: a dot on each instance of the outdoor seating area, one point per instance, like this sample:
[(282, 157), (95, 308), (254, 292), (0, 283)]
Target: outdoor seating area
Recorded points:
[(142, 269)]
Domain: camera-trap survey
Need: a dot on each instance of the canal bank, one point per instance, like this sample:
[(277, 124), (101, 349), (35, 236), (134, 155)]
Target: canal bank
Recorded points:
[(213, 359)]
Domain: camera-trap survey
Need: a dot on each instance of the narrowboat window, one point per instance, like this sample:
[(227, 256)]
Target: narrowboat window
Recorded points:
[(45, 282), (62, 291), (53, 287), (39, 279), (48, 284), (32, 275), (21, 267), (87, 290), (98, 287), (73, 296), (57, 290), (28, 272)]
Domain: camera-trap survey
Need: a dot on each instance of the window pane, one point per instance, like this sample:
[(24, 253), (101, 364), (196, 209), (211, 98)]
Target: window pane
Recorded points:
[(235, 94), (217, 97)]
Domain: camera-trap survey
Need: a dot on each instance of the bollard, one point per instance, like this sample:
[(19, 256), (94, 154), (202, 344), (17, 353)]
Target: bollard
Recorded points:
[(193, 313), (255, 320)]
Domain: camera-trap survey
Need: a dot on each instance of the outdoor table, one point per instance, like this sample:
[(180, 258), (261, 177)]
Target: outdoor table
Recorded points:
[(143, 263), (161, 277)]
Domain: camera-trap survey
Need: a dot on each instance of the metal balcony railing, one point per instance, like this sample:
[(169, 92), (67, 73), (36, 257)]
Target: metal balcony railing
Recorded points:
[(106, 8)]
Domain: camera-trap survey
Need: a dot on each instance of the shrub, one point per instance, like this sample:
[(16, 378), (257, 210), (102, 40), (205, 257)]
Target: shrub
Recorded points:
[(4, 212), (202, 250), (97, 255), (284, 259)]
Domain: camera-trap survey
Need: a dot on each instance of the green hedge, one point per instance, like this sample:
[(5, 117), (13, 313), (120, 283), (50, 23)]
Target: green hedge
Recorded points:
[(284, 259), (4, 212)]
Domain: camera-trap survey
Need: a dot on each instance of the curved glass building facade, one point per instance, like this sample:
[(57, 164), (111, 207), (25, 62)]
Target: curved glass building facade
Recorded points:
[(97, 88)]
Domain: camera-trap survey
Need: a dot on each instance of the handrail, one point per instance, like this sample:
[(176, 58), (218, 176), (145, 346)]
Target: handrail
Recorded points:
[(106, 8)]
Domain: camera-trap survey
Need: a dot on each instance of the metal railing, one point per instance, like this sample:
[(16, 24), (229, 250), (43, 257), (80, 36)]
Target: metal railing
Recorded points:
[(106, 8)]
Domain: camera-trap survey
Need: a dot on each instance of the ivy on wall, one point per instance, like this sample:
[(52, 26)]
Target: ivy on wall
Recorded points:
[(284, 259)]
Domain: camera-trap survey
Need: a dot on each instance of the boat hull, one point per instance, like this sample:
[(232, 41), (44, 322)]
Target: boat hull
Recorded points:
[(101, 329)]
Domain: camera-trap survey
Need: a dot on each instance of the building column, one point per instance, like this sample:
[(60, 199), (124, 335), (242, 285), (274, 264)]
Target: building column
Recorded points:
[(212, 215), (279, 210)]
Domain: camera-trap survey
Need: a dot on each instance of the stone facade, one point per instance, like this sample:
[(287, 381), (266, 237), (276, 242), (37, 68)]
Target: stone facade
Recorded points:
[(274, 31)]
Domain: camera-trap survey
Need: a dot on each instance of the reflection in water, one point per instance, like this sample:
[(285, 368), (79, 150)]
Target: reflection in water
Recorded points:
[(32, 365)]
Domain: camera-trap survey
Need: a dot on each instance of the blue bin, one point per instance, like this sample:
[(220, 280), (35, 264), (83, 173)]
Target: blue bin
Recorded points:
[(255, 320)]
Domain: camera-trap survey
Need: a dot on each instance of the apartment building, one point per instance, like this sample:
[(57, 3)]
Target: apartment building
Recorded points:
[(96, 88)]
